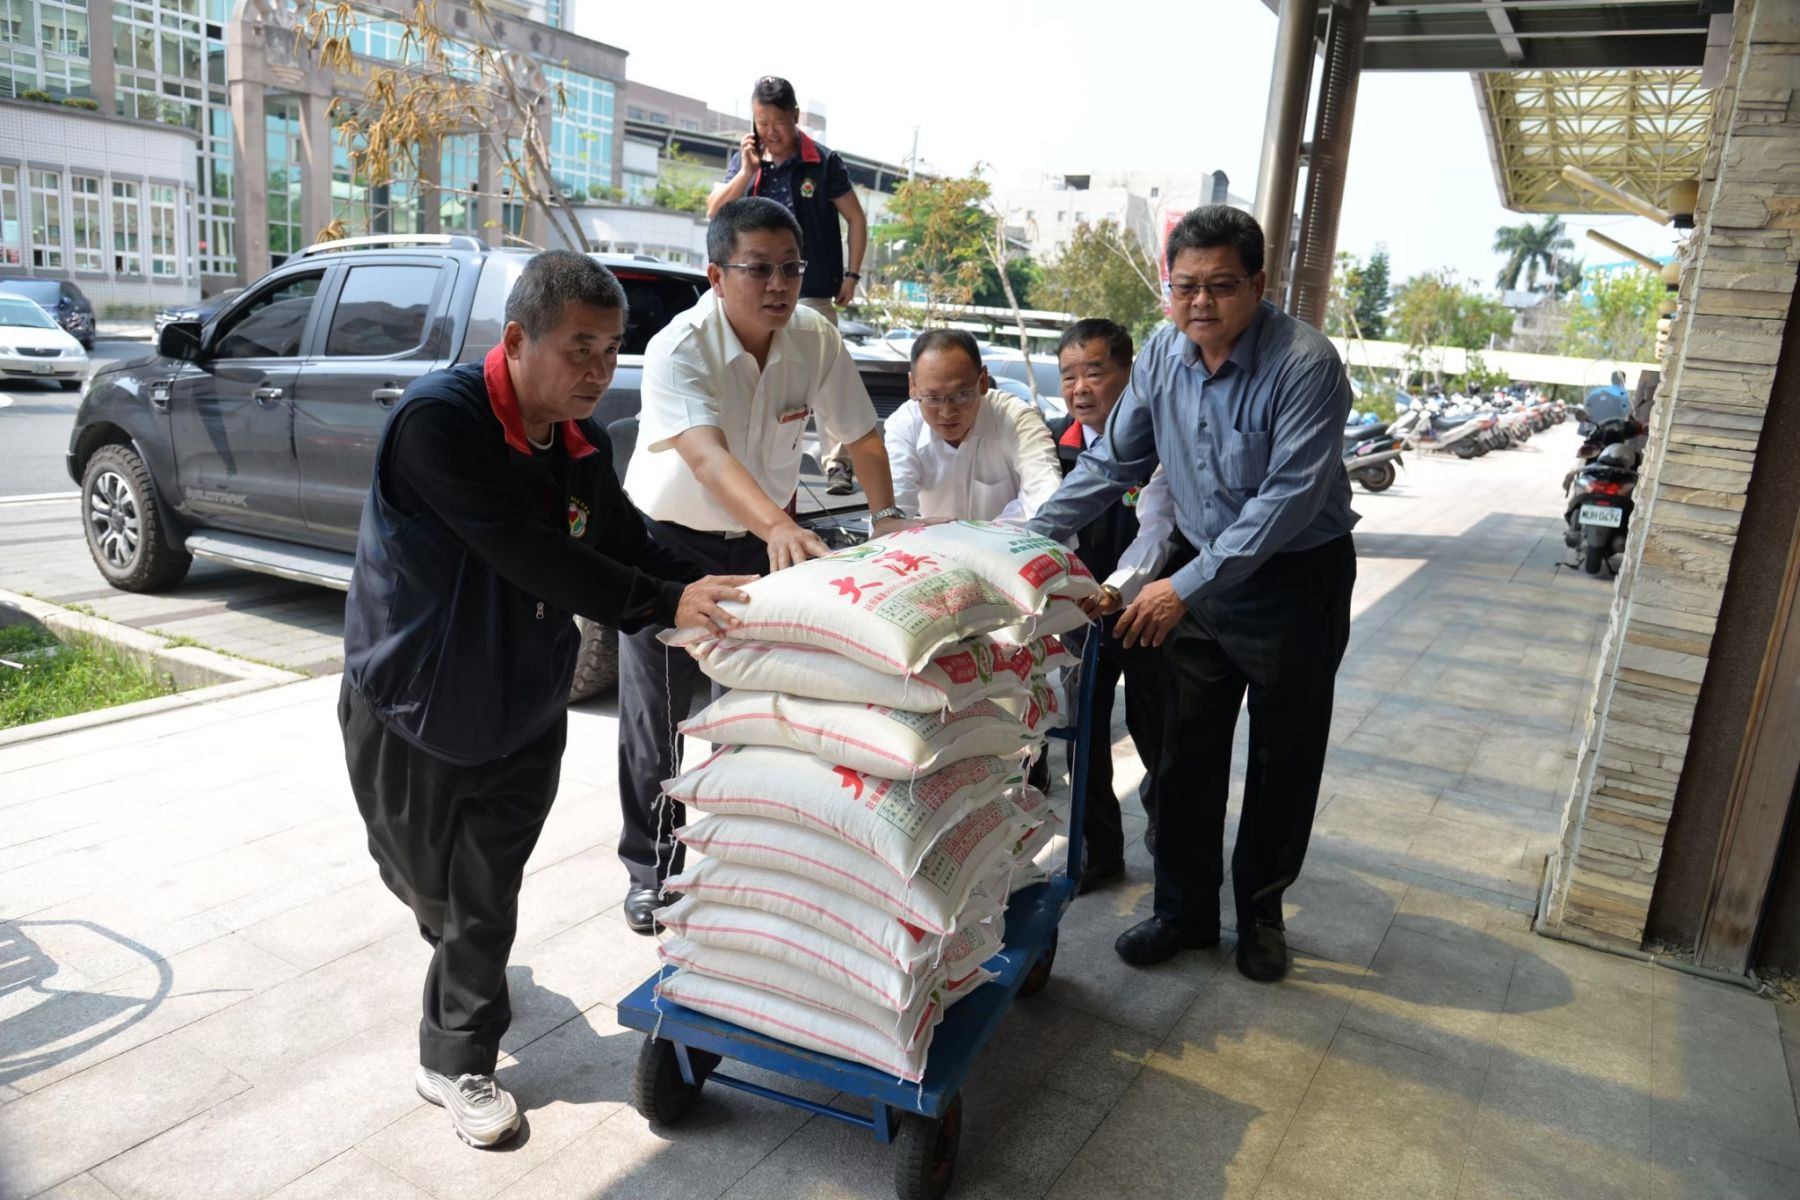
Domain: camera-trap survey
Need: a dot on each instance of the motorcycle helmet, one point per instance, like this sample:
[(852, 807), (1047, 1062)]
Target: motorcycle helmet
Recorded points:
[(1619, 456)]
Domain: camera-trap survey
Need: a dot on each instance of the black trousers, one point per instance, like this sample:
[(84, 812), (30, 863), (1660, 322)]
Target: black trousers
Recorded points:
[(1142, 669), (656, 685), (451, 841), (1280, 635)]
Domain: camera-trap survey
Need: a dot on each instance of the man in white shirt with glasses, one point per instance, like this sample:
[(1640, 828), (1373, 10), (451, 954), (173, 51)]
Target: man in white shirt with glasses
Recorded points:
[(727, 389), (961, 449)]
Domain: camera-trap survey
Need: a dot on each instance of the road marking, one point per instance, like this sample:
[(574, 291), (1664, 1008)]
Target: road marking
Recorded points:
[(5, 400), (40, 498)]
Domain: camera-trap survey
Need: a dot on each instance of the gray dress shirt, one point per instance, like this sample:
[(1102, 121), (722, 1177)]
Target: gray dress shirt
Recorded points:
[(1253, 452)]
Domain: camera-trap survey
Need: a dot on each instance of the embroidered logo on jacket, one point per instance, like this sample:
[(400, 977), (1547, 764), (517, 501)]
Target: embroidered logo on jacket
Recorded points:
[(806, 189), (578, 517)]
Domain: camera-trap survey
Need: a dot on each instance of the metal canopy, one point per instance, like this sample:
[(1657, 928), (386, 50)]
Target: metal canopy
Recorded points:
[(1532, 35), (1640, 130)]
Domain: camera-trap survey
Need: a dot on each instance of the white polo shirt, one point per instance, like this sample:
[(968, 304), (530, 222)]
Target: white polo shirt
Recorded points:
[(697, 373), (1003, 470)]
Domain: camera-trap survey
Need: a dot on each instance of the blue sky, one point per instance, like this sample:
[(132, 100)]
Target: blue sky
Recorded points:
[(1060, 86)]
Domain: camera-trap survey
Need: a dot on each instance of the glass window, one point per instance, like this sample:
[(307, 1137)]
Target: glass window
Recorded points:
[(15, 22), (382, 310), (286, 192), (46, 219), (12, 220), (581, 133), (459, 174), (62, 30), (272, 324), (652, 301), (127, 253), (164, 248), (84, 223)]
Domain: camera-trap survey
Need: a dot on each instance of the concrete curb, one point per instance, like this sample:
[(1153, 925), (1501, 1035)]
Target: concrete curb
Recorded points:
[(209, 674)]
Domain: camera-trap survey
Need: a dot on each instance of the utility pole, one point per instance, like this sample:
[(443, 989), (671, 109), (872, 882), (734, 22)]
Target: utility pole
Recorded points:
[(912, 160)]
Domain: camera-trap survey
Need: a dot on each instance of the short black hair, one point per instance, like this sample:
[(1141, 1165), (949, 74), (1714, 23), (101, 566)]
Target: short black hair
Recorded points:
[(1099, 329), (775, 91), (748, 214), (946, 339), (554, 280), (1218, 225)]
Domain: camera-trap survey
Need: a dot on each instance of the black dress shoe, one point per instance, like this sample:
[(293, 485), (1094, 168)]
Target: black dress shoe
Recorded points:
[(641, 904), (1095, 874), (1262, 952), (1157, 940)]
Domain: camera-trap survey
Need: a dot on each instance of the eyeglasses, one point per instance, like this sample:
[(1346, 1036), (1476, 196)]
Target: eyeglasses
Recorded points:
[(762, 272), (960, 400), (1218, 289)]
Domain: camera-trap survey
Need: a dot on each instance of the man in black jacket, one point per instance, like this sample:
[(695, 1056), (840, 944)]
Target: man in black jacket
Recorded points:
[(493, 518), (1126, 547)]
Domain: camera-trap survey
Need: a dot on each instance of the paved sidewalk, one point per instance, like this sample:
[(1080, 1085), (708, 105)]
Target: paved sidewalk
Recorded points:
[(205, 991)]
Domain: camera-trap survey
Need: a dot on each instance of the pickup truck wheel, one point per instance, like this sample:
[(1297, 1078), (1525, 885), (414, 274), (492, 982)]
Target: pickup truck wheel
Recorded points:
[(124, 527), (597, 662)]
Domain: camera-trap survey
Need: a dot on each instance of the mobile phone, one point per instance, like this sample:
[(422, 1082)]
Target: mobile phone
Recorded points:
[(761, 153)]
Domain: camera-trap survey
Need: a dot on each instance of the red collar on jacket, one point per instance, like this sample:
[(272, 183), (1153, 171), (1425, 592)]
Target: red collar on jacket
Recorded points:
[(506, 409), (1072, 436), (809, 153)]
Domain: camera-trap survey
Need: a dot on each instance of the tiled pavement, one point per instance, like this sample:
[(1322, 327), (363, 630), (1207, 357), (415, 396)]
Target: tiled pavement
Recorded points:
[(204, 991)]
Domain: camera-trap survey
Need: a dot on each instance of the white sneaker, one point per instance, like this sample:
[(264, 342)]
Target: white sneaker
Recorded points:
[(483, 1112)]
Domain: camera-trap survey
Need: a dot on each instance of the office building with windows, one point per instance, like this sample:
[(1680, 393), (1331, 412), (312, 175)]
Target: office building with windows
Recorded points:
[(155, 150)]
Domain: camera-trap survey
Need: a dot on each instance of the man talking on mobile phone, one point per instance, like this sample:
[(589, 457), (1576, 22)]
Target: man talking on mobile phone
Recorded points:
[(777, 159)]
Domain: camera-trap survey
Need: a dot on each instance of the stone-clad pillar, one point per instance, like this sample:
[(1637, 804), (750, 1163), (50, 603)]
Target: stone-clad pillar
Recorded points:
[(1737, 282)]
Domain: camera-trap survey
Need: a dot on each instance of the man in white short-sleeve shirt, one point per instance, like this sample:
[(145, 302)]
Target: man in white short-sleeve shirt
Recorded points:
[(962, 450), (727, 389)]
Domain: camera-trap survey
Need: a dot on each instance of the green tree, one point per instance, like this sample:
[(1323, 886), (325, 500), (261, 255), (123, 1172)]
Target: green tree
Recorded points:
[(683, 182), (1528, 247), (1021, 271), (1619, 321), (934, 240), (1434, 309), (1105, 272), (1372, 298)]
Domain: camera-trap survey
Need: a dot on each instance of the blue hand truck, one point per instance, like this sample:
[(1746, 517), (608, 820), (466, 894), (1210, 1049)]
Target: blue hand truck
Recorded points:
[(684, 1049)]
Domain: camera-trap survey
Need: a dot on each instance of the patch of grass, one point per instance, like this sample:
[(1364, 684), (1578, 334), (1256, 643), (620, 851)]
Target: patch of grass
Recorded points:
[(86, 610), (85, 675)]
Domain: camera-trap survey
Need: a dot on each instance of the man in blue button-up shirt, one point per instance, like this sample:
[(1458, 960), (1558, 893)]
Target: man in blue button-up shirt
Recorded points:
[(1244, 407)]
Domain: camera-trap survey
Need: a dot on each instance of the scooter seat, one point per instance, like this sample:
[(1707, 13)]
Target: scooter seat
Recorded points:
[(1362, 433)]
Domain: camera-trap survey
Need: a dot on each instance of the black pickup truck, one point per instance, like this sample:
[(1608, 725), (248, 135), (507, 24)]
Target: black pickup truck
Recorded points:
[(250, 440)]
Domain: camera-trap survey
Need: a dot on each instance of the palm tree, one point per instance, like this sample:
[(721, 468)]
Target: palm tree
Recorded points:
[(1527, 247)]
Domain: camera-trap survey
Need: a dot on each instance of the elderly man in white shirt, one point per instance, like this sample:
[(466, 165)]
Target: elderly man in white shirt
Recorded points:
[(727, 388), (962, 450)]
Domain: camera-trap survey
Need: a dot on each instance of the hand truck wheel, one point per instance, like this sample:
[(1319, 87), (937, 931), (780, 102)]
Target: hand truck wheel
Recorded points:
[(1039, 976), (658, 1092), (925, 1153)]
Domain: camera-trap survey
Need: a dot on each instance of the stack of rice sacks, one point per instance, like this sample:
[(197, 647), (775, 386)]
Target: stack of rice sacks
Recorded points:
[(855, 834)]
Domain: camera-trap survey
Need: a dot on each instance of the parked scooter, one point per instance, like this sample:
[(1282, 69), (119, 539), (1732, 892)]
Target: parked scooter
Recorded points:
[(1371, 454), (1601, 494)]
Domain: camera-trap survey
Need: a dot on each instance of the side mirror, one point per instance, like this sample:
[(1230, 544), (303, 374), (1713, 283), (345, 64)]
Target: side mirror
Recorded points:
[(1580, 413), (179, 340)]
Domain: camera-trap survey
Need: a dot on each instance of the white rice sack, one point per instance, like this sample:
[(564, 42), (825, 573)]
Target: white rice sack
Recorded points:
[(885, 608), (895, 821), (731, 927), (889, 742), (946, 893), (1038, 708), (908, 1029), (1026, 567), (787, 1020), (1060, 616), (972, 670), (834, 913)]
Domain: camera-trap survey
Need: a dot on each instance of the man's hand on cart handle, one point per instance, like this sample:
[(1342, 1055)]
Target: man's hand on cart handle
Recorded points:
[(1150, 618), (700, 602)]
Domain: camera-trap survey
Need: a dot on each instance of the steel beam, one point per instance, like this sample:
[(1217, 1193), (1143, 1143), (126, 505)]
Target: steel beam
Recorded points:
[(1330, 160), (1289, 83)]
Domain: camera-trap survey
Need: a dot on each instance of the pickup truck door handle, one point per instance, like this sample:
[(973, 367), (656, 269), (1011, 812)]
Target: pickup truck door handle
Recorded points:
[(266, 396), (386, 396)]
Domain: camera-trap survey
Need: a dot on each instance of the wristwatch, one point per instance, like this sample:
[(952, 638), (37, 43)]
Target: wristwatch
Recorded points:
[(884, 514), (1113, 594), (856, 275)]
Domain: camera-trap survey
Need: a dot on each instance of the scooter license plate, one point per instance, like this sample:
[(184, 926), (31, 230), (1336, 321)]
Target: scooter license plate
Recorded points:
[(1595, 514)]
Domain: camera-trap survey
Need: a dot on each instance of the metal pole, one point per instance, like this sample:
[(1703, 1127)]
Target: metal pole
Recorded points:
[(1289, 84), (1344, 37)]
